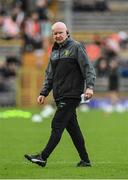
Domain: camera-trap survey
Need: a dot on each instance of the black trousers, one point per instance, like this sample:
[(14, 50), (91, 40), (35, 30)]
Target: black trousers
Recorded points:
[(65, 118)]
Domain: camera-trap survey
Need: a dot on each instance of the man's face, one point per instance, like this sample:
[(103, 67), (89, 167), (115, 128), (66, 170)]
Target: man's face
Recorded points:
[(59, 35)]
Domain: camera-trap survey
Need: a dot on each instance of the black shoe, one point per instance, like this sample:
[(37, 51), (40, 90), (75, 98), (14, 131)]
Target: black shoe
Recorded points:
[(83, 164), (37, 159)]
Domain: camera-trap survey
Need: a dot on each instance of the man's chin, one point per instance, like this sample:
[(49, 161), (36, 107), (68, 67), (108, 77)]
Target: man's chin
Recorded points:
[(59, 42)]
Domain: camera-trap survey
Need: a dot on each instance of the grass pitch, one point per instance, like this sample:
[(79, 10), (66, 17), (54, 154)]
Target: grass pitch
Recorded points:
[(106, 138)]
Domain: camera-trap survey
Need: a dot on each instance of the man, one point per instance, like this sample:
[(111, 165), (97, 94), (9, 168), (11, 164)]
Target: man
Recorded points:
[(66, 74)]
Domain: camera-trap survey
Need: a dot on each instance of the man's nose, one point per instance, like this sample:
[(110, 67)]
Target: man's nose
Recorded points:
[(58, 35)]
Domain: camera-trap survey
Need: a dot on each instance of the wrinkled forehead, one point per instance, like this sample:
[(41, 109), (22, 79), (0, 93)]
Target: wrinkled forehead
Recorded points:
[(58, 30)]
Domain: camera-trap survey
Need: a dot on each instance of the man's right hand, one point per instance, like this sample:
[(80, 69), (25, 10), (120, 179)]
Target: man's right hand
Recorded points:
[(40, 99)]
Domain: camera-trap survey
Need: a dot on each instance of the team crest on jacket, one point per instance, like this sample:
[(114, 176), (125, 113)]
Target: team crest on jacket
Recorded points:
[(66, 53)]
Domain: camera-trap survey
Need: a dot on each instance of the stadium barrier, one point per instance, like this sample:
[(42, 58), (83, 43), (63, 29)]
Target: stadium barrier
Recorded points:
[(8, 97), (30, 82), (28, 87), (24, 90)]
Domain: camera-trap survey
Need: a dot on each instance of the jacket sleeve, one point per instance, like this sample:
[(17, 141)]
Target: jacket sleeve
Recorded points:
[(86, 67), (47, 85)]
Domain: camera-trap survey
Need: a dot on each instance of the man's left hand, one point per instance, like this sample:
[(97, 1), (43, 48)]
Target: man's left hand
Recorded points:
[(88, 93)]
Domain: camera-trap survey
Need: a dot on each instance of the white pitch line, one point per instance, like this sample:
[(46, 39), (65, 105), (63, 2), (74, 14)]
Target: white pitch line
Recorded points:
[(93, 162)]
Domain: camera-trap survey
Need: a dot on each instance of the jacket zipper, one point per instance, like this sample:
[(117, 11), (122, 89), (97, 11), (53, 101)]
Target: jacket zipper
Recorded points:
[(58, 62)]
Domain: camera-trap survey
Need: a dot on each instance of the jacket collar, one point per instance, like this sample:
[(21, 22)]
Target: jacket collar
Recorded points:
[(64, 44)]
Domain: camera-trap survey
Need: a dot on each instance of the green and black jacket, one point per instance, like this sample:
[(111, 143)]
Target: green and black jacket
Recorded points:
[(69, 71)]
